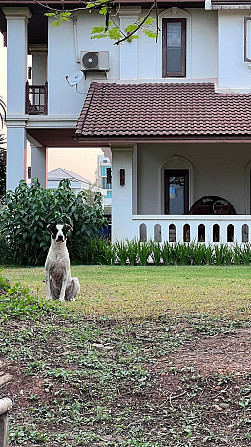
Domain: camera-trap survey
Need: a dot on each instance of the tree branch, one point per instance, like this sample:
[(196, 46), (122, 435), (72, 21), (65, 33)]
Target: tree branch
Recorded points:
[(136, 29)]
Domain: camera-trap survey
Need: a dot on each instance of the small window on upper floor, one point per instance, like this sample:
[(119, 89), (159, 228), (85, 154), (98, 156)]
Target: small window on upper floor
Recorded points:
[(173, 48), (247, 39)]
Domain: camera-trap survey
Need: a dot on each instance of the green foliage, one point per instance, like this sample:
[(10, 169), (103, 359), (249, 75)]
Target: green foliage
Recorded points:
[(16, 302), (110, 29), (157, 253), (2, 168), (29, 209)]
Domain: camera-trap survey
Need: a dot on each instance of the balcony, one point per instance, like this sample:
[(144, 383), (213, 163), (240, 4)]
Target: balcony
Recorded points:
[(36, 101)]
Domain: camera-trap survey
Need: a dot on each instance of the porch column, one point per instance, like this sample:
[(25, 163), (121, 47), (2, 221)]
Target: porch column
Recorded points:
[(16, 154), (122, 157), (129, 50), (39, 164), (17, 21)]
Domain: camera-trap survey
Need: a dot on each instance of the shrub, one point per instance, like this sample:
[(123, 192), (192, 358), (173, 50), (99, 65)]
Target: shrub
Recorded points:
[(28, 210), (16, 302)]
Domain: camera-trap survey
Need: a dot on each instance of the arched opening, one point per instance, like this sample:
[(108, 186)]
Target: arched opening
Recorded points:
[(230, 233), (216, 233), (201, 233), (172, 233), (142, 233), (245, 233), (186, 233), (177, 194), (157, 233)]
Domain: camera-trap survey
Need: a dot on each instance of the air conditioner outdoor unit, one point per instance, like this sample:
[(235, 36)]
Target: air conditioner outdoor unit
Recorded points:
[(94, 61)]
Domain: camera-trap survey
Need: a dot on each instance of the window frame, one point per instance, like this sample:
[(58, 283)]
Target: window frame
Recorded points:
[(246, 20), (172, 173), (182, 73)]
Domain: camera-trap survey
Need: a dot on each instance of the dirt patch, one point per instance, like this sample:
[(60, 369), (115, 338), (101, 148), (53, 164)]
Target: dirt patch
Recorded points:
[(220, 353), (130, 394)]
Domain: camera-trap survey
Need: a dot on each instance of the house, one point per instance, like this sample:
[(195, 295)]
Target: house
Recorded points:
[(176, 113), (103, 180), (77, 182)]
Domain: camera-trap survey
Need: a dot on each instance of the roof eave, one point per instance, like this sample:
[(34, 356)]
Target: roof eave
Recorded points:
[(104, 141)]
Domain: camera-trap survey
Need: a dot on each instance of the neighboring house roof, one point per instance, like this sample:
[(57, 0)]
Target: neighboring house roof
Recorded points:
[(61, 174), (114, 111), (230, 2)]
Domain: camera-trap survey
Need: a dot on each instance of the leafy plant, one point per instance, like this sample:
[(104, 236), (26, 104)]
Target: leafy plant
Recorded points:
[(2, 168), (16, 302), (28, 210)]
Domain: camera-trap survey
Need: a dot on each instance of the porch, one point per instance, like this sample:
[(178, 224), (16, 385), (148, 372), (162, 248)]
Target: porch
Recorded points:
[(209, 229)]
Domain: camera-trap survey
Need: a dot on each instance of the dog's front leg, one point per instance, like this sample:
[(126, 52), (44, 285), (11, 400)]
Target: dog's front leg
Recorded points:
[(47, 283), (63, 288)]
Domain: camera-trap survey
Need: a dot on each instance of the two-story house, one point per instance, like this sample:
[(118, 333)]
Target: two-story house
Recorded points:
[(176, 113)]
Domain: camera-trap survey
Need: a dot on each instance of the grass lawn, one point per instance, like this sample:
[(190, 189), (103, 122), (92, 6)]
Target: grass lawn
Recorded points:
[(152, 291), (147, 357)]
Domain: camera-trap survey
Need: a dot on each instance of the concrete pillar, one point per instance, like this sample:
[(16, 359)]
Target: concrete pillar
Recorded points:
[(17, 20), (16, 154), (39, 164), (122, 157), (129, 50)]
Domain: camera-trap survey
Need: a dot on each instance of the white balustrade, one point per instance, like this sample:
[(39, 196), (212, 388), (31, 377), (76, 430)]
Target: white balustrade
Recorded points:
[(209, 229)]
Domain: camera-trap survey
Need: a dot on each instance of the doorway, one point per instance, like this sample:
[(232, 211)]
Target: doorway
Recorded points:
[(176, 189)]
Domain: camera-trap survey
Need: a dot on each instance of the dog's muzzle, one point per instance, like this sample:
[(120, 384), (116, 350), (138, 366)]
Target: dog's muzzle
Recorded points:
[(60, 239)]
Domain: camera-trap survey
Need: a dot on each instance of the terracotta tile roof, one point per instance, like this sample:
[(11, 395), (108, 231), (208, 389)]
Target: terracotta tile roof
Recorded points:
[(162, 110)]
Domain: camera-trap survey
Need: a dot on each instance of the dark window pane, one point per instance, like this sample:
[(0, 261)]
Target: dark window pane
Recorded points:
[(176, 194), (174, 50)]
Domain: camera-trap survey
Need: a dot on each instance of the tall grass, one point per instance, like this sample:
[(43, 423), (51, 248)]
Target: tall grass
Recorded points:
[(144, 253)]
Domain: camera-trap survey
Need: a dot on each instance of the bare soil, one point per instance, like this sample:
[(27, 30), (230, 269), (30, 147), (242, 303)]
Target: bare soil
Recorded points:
[(145, 383)]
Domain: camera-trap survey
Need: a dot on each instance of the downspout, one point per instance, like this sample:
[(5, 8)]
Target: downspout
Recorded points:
[(75, 37)]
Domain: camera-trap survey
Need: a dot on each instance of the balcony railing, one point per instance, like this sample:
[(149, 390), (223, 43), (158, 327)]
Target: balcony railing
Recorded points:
[(36, 102), (209, 229)]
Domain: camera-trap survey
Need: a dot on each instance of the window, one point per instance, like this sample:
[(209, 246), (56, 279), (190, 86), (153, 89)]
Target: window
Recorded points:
[(247, 39), (176, 191), (174, 48), (106, 185)]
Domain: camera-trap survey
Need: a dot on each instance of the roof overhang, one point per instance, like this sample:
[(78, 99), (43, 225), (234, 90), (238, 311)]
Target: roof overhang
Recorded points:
[(163, 112), (104, 142)]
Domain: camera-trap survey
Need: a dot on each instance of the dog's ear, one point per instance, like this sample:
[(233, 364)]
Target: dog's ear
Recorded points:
[(68, 227), (50, 226)]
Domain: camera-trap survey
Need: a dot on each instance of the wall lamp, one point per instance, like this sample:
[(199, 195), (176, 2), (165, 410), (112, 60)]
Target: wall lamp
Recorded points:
[(122, 177)]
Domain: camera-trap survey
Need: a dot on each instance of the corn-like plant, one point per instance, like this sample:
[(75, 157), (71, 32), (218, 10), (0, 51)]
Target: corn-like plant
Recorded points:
[(155, 252), (132, 252), (246, 255), (144, 251), (121, 252)]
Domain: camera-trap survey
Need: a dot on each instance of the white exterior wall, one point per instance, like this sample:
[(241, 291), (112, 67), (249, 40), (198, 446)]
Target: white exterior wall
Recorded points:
[(139, 60), (233, 71), (122, 195), (218, 169), (201, 42), (63, 99)]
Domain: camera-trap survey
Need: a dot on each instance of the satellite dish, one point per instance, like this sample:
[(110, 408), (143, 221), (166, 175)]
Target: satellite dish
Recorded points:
[(74, 78)]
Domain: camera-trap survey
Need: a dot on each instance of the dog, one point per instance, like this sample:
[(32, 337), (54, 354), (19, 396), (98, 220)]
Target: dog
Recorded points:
[(58, 280)]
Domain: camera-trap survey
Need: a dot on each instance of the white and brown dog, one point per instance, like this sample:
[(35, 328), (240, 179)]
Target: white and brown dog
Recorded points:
[(58, 280)]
